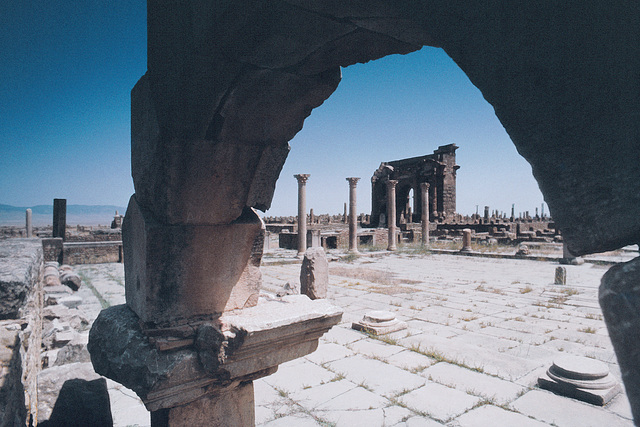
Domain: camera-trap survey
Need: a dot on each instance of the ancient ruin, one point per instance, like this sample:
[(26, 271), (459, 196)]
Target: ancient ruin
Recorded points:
[(228, 85), (437, 169)]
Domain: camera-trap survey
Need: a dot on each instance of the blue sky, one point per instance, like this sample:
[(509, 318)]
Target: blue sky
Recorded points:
[(68, 68)]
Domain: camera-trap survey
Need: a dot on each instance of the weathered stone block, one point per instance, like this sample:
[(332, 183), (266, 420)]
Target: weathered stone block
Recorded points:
[(256, 341), (314, 274), (174, 273)]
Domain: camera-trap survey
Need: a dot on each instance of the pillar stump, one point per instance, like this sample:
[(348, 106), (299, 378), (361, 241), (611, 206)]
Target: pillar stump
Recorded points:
[(466, 240)]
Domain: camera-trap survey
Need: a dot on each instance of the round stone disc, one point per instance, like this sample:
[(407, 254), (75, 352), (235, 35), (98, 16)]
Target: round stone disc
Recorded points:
[(579, 368), (379, 316)]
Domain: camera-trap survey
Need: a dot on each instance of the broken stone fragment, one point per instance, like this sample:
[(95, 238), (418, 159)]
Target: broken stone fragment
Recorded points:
[(314, 274), (288, 289), (71, 279)]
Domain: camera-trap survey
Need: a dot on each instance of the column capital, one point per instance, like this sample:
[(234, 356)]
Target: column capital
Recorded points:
[(391, 183), (424, 185), (302, 178), (353, 181)]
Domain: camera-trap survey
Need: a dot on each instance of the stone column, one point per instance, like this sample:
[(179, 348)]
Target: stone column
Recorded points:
[(424, 188), (353, 215), (344, 216), (302, 212), (29, 224), (59, 217), (391, 213)]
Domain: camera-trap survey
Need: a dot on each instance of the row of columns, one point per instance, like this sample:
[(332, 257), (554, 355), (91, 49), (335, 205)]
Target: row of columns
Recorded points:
[(353, 214)]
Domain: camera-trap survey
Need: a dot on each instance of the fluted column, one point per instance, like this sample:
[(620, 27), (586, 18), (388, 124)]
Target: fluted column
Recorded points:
[(302, 212), (353, 215), (424, 188), (391, 213)]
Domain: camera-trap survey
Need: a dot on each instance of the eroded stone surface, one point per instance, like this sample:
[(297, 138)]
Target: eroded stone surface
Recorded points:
[(256, 341), (174, 273), (314, 274)]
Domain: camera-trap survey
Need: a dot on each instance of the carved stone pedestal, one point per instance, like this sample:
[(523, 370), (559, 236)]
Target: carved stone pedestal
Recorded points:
[(203, 371)]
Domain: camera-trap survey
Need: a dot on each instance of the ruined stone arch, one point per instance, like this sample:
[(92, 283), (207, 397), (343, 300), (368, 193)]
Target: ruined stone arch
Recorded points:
[(240, 78), (229, 83)]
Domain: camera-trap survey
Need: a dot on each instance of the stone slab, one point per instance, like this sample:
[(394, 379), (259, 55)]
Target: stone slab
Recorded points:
[(439, 402), (565, 412), (411, 361), (288, 378), (378, 376), (323, 394), (367, 417), (328, 352), (489, 415), (474, 383), (375, 349), (356, 399)]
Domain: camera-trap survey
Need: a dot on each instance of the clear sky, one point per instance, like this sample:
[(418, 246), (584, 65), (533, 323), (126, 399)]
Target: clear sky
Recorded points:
[(68, 67)]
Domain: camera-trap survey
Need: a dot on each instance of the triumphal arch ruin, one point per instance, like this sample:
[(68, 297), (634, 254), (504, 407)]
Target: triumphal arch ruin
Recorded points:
[(437, 169), (229, 83)]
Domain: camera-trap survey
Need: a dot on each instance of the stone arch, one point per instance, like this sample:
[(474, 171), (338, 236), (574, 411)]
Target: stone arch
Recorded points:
[(229, 83), (241, 77)]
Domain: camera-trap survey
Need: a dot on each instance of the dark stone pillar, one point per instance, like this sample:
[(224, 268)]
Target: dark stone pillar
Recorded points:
[(59, 217)]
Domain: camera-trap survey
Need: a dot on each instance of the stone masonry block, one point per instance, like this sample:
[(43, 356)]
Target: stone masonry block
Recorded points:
[(175, 273)]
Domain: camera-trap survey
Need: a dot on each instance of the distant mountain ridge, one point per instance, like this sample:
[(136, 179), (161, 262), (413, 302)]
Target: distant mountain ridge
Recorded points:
[(76, 214)]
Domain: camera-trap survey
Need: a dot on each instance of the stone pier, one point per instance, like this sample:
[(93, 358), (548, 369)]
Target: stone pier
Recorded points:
[(302, 213), (391, 214), (353, 216), (194, 334), (424, 188)]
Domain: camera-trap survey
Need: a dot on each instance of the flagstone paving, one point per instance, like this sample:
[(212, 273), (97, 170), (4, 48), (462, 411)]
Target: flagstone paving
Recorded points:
[(480, 332)]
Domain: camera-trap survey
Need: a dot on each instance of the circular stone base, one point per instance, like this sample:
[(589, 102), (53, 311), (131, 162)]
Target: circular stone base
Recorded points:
[(579, 368)]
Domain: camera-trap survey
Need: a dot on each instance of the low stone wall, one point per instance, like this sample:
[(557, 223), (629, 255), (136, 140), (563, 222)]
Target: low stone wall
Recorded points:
[(21, 302), (92, 252)]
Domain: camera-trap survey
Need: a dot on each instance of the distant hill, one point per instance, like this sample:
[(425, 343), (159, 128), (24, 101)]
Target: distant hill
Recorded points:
[(42, 215)]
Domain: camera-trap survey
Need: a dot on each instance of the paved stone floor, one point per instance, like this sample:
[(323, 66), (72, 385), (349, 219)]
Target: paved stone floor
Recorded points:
[(480, 332)]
